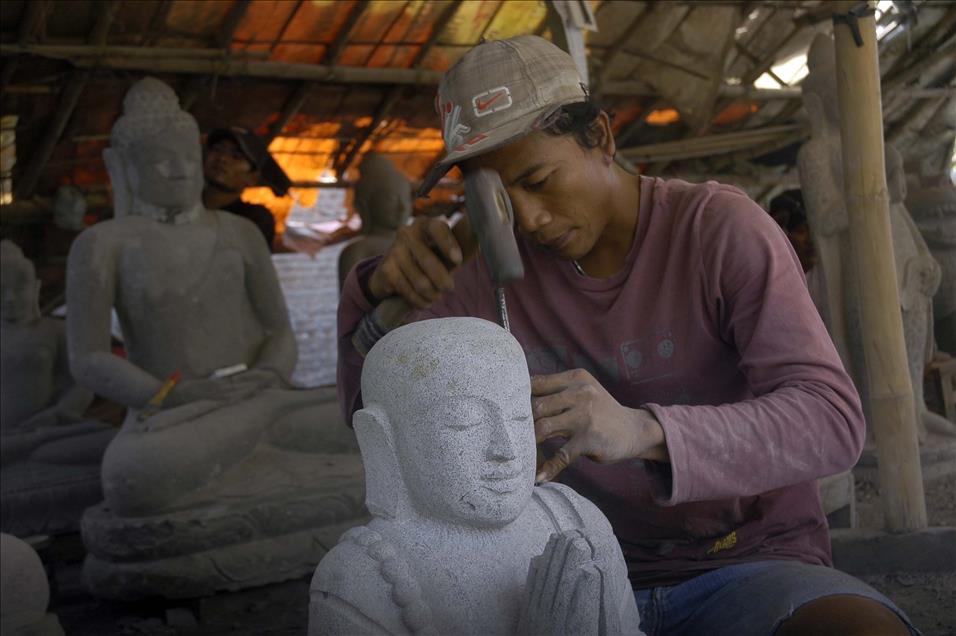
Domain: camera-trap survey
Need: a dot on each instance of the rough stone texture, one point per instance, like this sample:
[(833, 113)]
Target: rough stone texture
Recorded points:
[(864, 551), (24, 592), (49, 456), (195, 292), (448, 445), (933, 207), (310, 288)]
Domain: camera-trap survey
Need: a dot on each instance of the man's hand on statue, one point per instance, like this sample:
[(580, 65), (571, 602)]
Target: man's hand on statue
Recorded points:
[(418, 264), (564, 589), (574, 406)]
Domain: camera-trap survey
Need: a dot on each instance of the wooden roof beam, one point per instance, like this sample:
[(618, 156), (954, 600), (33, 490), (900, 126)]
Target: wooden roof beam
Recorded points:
[(69, 97), (293, 105), (334, 52), (345, 159)]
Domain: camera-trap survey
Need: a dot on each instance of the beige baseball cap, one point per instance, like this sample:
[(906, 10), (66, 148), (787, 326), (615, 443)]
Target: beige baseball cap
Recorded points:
[(498, 92)]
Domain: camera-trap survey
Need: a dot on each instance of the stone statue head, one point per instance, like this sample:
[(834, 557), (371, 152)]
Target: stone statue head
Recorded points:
[(69, 208), (383, 196), (19, 287), (895, 175), (155, 157), (820, 86), (447, 431)]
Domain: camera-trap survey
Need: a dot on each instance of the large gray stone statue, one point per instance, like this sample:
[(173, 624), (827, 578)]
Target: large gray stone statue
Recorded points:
[(918, 279), (24, 592), (49, 455), (461, 540), (821, 175), (933, 206), (383, 199), (229, 477)]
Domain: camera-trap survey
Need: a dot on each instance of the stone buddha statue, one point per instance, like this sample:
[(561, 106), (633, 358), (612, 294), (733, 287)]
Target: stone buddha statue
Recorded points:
[(918, 280), (49, 454), (383, 200), (820, 164), (197, 299), (461, 540), (933, 206)]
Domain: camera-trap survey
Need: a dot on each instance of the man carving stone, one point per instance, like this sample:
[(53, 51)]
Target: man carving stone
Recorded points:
[(196, 294), (49, 456), (449, 453)]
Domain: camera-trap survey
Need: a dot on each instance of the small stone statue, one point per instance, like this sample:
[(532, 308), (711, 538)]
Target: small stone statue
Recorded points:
[(933, 206), (222, 479), (383, 199), (49, 456), (918, 279), (24, 592), (461, 540)]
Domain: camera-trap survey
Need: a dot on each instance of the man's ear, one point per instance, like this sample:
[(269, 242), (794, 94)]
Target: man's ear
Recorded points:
[(385, 493), (608, 145)]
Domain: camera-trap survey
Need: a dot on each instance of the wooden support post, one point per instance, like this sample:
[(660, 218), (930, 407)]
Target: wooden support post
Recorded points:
[(864, 175), (567, 23)]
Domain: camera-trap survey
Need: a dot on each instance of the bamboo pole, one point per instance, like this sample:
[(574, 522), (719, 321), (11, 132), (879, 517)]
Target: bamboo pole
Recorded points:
[(864, 175)]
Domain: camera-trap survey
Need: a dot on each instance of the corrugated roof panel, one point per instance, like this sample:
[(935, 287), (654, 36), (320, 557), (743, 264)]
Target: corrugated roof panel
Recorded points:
[(318, 21), (515, 18), (377, 20), (299, 53), (440, 58), (389, 56), (356, 54), (197, 19), (262, 23), (469, 22)]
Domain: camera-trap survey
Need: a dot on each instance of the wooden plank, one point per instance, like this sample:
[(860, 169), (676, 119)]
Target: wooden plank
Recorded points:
[(293, 105), (334, 52), (892, 411), (381, 112)]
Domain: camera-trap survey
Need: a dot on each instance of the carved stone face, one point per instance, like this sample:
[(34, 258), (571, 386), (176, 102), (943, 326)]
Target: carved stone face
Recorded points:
[(458, 399), (165, 169), (18, 292), (470, 457)]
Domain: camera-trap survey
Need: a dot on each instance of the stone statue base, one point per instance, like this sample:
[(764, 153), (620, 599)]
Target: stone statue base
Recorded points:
[(41, 498), (252, 532)]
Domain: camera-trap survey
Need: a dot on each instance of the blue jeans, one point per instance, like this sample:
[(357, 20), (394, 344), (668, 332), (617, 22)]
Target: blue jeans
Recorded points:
[(746, 599)]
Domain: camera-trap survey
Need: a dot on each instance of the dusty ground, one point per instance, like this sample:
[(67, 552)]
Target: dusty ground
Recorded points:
[(928, 599), (282, 610)]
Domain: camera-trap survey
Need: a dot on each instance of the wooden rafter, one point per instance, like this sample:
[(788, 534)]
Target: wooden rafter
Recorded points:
[(66, 104), (334, 52), (347, 155), (292, 106), (611, 54)]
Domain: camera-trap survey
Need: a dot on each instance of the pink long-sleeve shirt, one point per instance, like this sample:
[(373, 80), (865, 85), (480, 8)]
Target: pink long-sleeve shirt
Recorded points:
[(709, 325)]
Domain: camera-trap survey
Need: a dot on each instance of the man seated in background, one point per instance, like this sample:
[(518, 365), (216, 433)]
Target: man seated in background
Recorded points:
[(237, 159)]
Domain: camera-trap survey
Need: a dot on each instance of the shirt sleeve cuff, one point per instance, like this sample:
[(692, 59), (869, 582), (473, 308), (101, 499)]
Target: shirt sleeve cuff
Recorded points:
[(669, 481)]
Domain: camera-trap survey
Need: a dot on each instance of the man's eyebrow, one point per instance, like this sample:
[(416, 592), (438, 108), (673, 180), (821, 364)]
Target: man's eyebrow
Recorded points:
[(528, 172)]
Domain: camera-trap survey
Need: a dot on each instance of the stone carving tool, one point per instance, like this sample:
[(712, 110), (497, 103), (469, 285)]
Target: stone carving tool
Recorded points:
[(491, 218)]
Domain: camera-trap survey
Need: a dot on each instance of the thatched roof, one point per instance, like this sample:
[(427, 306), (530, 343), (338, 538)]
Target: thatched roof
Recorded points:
[(330, 80)]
